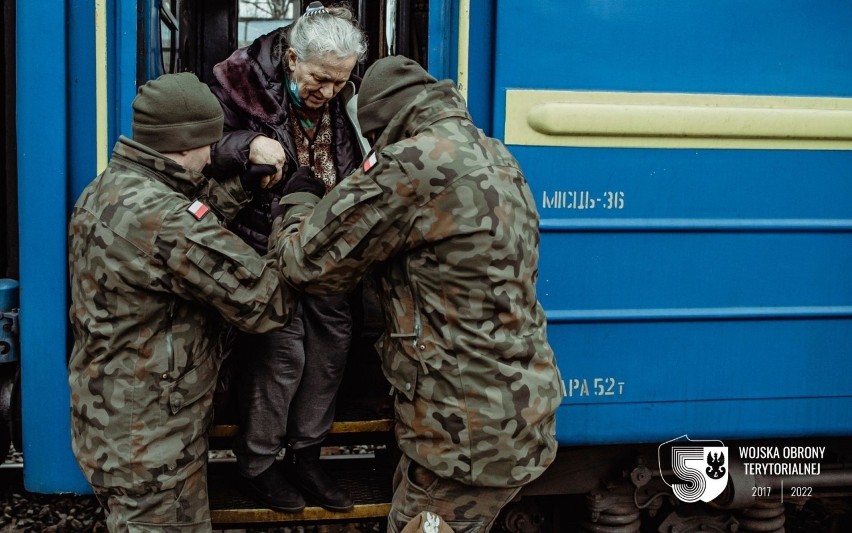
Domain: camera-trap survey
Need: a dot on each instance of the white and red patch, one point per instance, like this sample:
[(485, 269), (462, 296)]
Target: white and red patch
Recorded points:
[(370, 162), (198, 209)]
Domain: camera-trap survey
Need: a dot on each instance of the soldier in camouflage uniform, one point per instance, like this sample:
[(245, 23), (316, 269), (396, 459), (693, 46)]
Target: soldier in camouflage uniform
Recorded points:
[(445, 217), (153, 274)]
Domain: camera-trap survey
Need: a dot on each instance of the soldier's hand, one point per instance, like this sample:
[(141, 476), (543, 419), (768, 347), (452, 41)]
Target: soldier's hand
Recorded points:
[(266, 151), (303, 180), (256, 175)]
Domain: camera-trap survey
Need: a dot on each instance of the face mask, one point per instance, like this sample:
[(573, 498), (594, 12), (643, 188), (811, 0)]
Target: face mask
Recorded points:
[(293, 89)]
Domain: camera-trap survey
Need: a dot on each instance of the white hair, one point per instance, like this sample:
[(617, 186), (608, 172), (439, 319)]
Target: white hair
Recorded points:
[(332, 31)]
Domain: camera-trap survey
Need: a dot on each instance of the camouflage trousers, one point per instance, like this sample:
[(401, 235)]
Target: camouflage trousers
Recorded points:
[(182, 509), (465, 508)]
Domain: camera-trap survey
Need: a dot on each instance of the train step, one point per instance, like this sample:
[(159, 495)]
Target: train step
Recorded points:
[(358, 452), (344, 427), (367, 477), (364, 422)]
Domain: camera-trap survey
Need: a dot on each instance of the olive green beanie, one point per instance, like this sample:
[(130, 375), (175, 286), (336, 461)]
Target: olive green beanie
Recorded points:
[(389, 84), (176, 112)]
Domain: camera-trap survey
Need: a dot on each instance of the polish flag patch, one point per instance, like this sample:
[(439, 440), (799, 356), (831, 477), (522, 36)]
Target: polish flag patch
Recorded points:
[(370, 162), (198, 209)]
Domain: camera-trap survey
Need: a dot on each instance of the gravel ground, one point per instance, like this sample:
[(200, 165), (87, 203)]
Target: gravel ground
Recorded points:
[(24, 511)]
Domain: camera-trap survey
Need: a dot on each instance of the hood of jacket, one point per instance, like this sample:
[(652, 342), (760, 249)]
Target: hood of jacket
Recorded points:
[(253, 77), (436, 102)]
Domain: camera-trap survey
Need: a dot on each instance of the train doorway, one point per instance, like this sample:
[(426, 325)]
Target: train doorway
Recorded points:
[(194, 35), (8, 183)]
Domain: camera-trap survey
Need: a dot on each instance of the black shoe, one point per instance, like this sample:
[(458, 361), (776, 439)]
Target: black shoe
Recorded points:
[(271, 489), (304, 470)]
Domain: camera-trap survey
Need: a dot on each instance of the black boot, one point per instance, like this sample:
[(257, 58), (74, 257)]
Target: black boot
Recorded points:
[(271, 489), (304, 470)]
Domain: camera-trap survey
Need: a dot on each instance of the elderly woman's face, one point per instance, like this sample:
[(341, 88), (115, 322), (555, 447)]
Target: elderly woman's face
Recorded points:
[(321, 78)]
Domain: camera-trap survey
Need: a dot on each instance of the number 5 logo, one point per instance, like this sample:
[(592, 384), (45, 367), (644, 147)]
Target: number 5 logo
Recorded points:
[(699, 469)]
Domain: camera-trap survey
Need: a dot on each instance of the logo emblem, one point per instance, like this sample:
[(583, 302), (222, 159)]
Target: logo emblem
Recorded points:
[(370, 162), (694, 469), (198, 209)]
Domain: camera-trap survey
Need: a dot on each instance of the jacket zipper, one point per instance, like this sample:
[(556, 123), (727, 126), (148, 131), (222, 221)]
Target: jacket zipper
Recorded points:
[(170, 348), (417, 323)]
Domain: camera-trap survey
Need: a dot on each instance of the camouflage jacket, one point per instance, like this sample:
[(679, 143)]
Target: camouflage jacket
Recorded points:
[(152, 276), (447, 219)]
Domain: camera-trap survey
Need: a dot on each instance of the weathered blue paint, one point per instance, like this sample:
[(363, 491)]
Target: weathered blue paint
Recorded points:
[(480, 66), (443, 36), (444, 47), (82, 116), (123, 54), (151, 52), (43, 90), (54, 165)]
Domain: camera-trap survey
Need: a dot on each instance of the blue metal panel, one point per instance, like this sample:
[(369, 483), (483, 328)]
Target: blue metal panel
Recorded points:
[(42, 102), (82, 116), (690, 291), (443, 36), (122, 60), (735, 419), (695, 230), (638, 362), (481, 63), (152, 54), (444, 47), (726, 46)]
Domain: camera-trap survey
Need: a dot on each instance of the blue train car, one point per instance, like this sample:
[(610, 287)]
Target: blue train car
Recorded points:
[(692, 163), (692, 167)]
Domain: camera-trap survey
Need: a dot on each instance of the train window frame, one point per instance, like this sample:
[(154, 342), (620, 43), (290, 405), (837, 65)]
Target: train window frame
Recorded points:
[(242, 33), (169, 25)]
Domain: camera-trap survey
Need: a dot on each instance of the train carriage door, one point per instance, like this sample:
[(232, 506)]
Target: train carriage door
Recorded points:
[(186, 35), (8, 185), (9, 365), (692, 167)]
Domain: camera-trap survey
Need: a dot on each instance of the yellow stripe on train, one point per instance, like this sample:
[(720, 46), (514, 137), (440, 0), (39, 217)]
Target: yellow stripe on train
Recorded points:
[(677, 120)]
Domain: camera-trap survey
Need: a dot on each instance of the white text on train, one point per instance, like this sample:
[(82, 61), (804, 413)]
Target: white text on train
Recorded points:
[(582, 200), (595, 387)]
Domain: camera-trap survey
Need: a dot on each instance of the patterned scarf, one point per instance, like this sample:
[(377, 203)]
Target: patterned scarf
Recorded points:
[(312, 135)]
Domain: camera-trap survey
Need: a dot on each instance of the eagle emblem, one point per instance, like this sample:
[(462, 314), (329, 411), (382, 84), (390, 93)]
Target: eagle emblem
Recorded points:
[(715, 465)]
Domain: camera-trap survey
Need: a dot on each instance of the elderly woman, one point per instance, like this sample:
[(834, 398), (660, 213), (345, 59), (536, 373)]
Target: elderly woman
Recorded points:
[(285, 98)]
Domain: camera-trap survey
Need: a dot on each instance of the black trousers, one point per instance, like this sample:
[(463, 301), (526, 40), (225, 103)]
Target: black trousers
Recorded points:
[(288, 381)]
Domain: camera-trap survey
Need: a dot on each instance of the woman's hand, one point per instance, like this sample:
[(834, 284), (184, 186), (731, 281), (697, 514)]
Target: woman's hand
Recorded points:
[(266, 151)]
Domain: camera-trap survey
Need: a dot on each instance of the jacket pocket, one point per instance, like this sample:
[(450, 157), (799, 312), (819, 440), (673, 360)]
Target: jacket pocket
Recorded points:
[(229, 268), (190, 387), (400, 370)]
